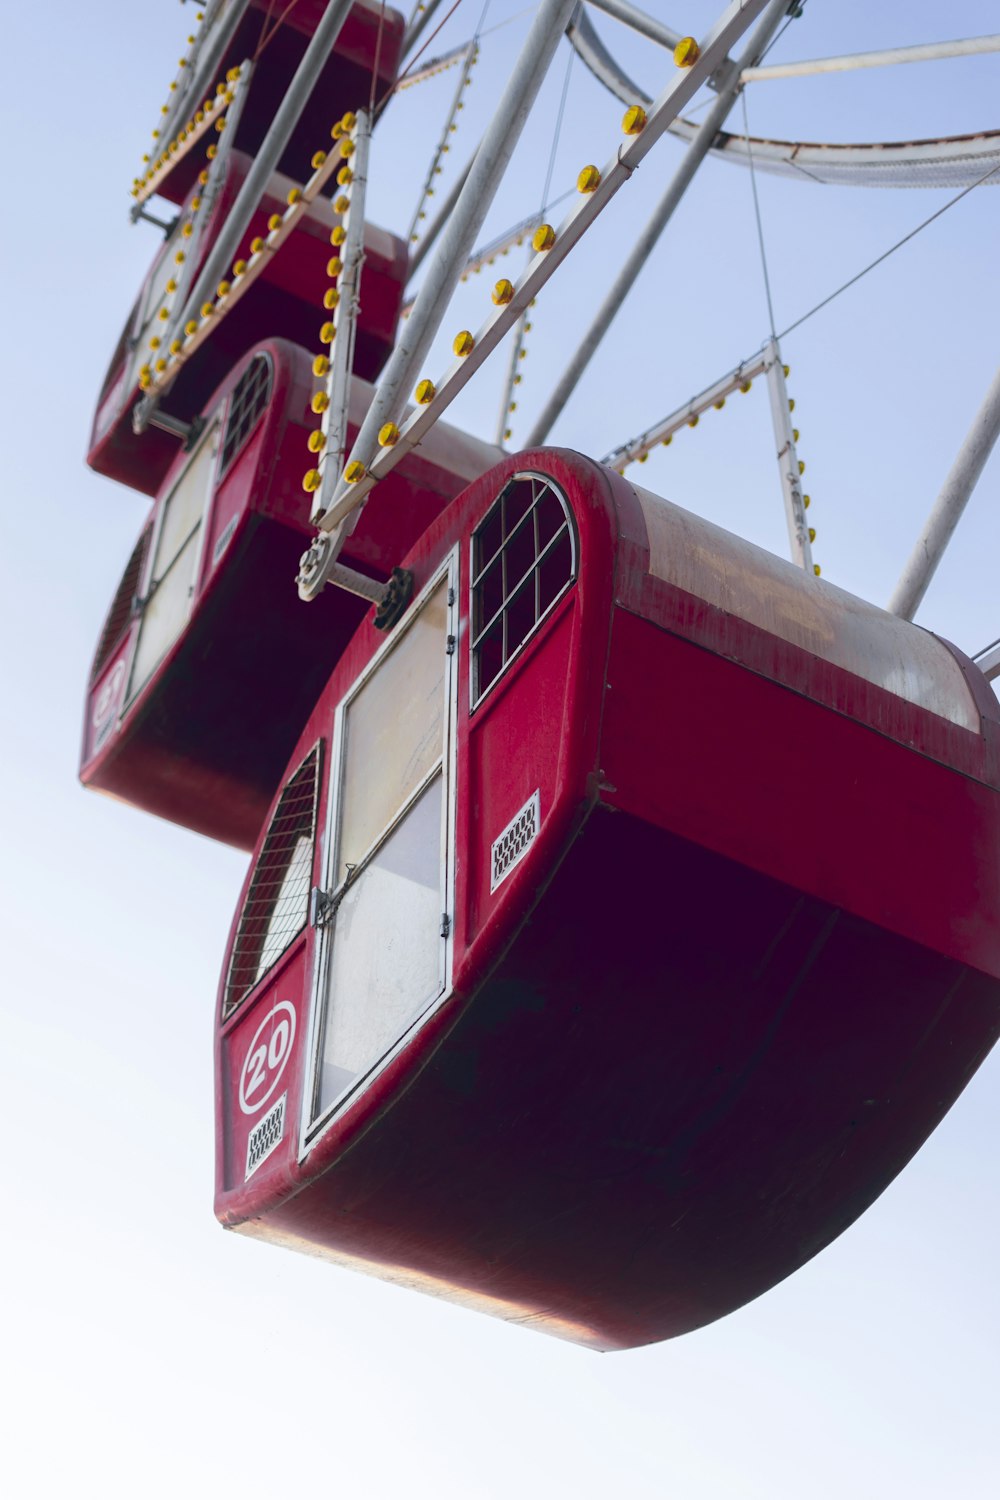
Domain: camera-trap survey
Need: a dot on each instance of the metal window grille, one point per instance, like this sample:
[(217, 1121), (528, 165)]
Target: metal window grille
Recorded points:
[(277, 902), (123, 606), (250, 396), (523, 560)]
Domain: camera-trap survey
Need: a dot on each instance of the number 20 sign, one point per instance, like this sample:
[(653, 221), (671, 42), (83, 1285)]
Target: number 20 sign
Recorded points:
[(266, 1057)]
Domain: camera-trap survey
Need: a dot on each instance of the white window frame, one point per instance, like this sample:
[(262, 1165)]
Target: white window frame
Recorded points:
[(314, 1124), (212, 433)]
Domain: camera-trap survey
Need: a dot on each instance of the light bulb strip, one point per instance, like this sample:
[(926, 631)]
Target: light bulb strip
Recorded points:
[(345, 319), (685, 82), (187, 138), (180, 86), (638, 448), (790, 466), (433, 67), (256, 263), (444, 144)]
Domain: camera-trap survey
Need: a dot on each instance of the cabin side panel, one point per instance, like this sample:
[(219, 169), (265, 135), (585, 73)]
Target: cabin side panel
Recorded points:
[(763, 775)]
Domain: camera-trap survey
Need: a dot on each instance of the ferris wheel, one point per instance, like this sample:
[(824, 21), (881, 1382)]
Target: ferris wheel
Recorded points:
[(492, 650)]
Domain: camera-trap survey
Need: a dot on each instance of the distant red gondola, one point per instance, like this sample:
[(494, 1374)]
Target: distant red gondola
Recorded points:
[(622, 925), (274, 36), (208, 663), (286, 300)]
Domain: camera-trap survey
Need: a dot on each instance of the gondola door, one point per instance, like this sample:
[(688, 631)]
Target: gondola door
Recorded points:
[(385, 912), (173, 573)]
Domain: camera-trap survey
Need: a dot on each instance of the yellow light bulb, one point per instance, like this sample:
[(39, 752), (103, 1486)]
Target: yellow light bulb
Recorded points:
[(795, 434), (787, 369), (256, 245), (274, 222), (239, 267), (311, 481), (176, 345), (191, 328), (791, 403), (220, 125), (354, 473), (687, 52), (544, 237), (348, 121), (294, 195), (163, 314), (425, 393), (207, 309), (330, 298), (321, 365), (802, 467), (806, 501), (179, 257), (160, 365), (222, 290), (463, 344), (338, 234), (320, 402), (345, 146), (187, 230), (588, 180), (316, 441), (341, 204), (317, 160), (668, 440), (326, 333), (345, 177), (154, 342), (745, 386), (633, 120), (334, 266), (693, 420), (211, 151), (812, 533), (718, 405), (388, 435), (337, 131), (816, 569)]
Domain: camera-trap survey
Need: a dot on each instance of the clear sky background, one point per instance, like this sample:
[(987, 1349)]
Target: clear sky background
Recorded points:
[(146, 1352)]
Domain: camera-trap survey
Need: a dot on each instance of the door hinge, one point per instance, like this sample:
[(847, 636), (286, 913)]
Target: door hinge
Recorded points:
[(450, 647), (451, 596), (445, 924), (322, 907)]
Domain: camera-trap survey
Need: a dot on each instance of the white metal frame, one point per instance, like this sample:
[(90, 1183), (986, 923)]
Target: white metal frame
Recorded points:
[(314, 1125)]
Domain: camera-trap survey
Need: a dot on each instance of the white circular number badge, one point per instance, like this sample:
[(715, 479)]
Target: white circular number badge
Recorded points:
[(266, 1057)]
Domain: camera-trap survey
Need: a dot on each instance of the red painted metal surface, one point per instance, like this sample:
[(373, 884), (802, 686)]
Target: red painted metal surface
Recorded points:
[(275, 37), (748, 961), (285, 300), (204, 737)]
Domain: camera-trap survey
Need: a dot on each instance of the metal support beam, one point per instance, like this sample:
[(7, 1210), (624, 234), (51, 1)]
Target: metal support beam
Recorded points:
[(638, 20), (502, 135), (378, 460), (988, 661), (625, 281), (929, 52), (950, 504), (421, 18)]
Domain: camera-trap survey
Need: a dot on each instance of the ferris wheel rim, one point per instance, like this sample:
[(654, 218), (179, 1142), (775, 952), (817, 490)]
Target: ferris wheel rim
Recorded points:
[(942, 161)]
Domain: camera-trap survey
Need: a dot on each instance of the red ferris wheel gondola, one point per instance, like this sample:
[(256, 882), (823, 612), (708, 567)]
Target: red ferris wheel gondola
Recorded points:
[(274, 36), (286, 299), (622, 925), (208, 663)]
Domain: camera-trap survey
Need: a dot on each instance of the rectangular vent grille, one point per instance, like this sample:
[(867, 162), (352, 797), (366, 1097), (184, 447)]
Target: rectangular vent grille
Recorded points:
[(265, 1136), (277, 901), (512, 845), (122, 608), (249, 398)]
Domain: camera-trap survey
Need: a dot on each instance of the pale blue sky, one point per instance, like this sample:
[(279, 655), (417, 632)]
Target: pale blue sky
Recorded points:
[(145, 1351)]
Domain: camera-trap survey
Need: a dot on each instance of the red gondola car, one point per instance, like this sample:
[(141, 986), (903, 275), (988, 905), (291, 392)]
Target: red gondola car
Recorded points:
[(653, 903), (286, 299), (369, 43), (208, 663)]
